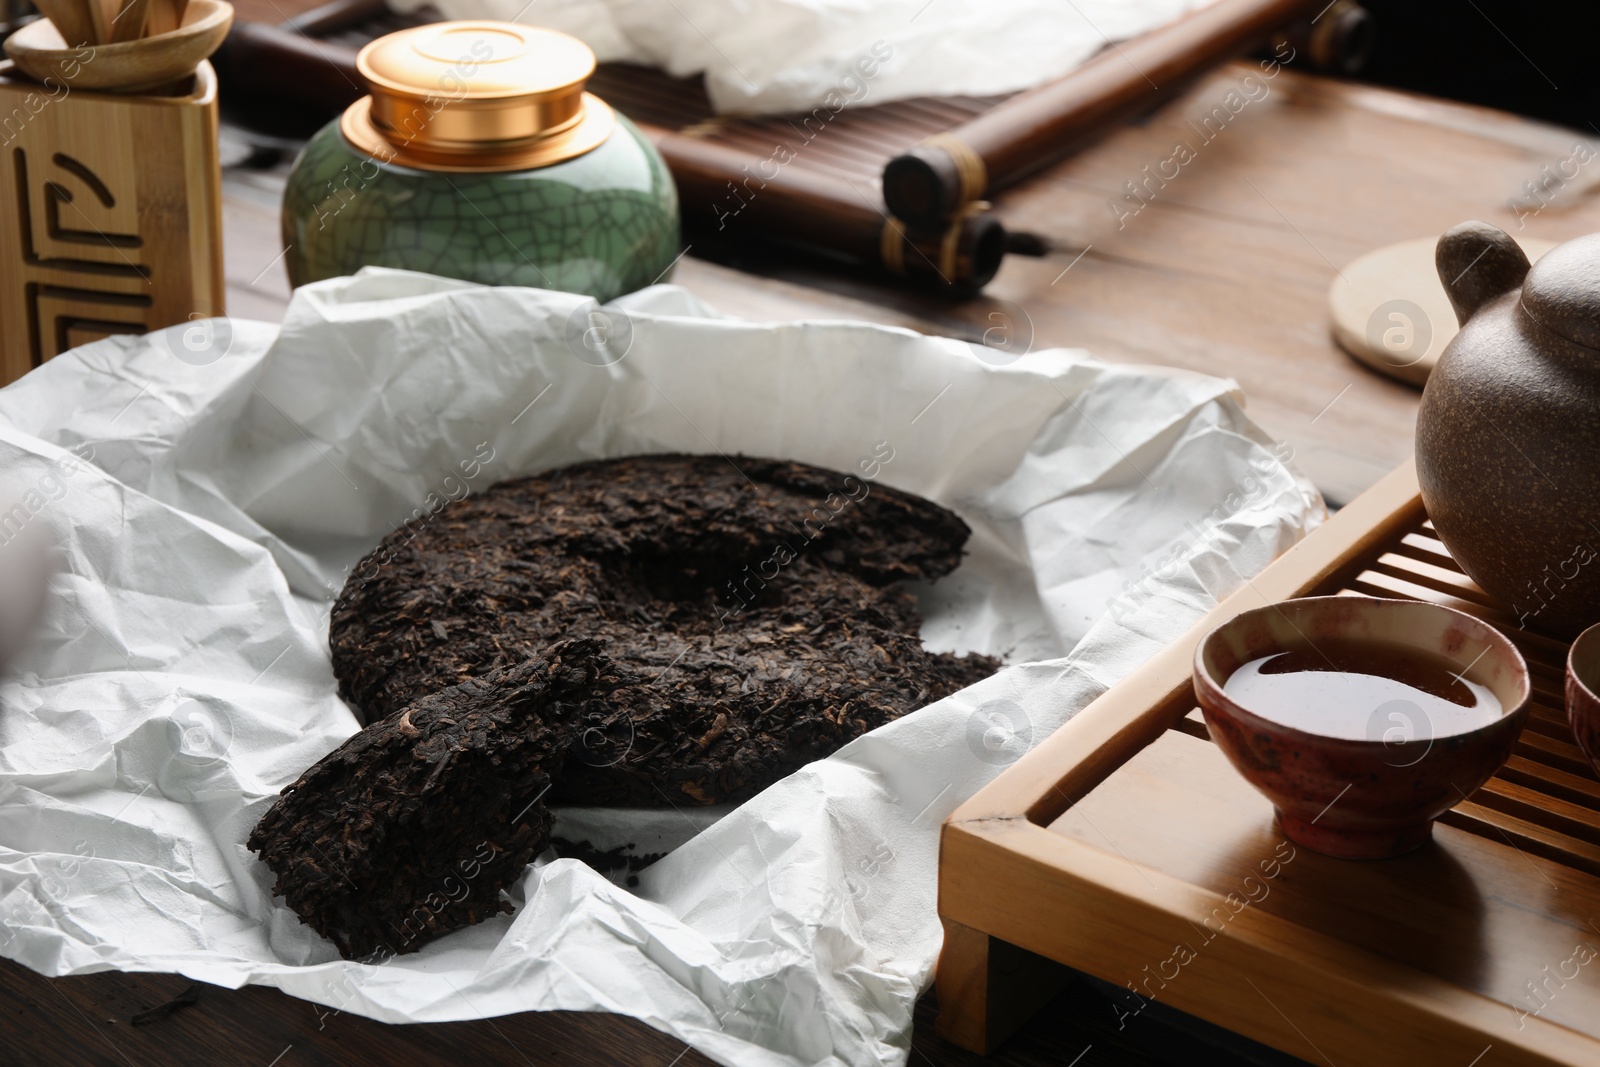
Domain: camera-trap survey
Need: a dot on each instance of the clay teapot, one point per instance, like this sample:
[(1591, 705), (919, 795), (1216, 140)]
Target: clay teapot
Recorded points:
[(1508, 437)]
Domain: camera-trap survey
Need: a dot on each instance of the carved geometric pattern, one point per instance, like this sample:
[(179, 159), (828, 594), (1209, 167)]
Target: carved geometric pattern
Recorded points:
[(63, 311), (59, 194)]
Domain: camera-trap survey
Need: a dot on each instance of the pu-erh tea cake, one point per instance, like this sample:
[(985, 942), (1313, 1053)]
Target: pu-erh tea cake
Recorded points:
[(650, 631)]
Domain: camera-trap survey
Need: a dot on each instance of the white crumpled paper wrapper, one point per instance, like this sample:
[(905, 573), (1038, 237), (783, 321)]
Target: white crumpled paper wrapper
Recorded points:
[(794, 55), (182, 675)]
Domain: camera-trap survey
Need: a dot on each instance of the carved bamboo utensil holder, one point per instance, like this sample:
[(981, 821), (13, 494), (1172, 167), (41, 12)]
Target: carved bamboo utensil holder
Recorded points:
[(110, 201)]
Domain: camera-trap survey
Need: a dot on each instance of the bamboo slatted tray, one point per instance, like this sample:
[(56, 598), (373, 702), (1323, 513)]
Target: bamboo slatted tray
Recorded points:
[(854, 145), (1126, 846)]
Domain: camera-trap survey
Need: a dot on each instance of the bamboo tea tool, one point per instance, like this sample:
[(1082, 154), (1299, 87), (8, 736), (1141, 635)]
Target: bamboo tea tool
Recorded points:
[(164, 16), (73, 19), (101, 12), (110, 177), (128, 24)]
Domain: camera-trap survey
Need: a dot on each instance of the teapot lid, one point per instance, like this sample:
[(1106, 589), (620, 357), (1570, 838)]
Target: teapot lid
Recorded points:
[(1562, 291)]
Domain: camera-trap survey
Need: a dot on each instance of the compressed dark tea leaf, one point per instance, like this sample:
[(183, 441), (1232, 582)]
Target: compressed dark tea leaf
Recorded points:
[(760, 598), (752, 608), (415, 825)]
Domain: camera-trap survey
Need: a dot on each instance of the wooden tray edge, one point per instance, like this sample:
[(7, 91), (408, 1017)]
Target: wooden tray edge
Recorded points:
[(1065, 900)]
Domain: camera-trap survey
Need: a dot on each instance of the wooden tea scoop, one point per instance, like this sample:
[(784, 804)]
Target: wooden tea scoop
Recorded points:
[(101, 12), (72, 20), (128, 25), (164, 16)]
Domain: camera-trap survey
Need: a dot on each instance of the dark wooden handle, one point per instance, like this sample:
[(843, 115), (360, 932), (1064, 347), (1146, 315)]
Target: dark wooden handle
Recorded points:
[(718, 192), (335, 16), (258, 59), (931, 181)]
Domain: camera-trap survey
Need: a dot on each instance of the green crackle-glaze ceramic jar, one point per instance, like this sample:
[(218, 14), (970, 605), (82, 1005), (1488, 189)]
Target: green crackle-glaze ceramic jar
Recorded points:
[(479, 156)]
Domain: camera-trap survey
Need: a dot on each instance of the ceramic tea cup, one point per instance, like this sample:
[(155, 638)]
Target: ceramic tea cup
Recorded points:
[(1376, 795), (1583, 693)]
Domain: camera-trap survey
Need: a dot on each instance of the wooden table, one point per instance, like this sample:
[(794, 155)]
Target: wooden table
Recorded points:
[(1223, 270)]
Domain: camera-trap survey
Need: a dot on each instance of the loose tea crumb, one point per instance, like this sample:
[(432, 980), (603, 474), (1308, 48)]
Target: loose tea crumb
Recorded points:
[(188, 997), (605, 860)]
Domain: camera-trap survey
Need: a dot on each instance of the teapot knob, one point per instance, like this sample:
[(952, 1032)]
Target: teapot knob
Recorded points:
[(1478, 262)]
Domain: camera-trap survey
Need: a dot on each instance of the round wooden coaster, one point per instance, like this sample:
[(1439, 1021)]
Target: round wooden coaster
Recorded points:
[(1391, 312)]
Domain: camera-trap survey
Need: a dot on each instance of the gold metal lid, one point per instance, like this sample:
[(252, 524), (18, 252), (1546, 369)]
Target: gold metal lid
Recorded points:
[(477, 96)]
